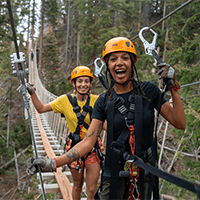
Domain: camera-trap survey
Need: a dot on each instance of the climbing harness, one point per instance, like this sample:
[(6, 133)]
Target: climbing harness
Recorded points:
[(114, 154), (19, 69), (77, 135)]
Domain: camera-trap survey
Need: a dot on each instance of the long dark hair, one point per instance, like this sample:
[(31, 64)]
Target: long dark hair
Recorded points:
[(137, 89)]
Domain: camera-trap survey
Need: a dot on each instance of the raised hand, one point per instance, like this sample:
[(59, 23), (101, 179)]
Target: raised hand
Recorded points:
[(168, 74), (30, 88)]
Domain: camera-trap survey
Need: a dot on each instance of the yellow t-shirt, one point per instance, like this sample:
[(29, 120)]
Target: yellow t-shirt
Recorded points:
[(63, 105)]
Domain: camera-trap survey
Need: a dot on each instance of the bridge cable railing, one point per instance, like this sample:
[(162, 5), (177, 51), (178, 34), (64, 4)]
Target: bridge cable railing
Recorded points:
[(55, 121)]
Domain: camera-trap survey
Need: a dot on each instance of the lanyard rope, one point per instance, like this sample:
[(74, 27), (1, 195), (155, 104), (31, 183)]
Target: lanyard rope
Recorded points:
[(133, 169)]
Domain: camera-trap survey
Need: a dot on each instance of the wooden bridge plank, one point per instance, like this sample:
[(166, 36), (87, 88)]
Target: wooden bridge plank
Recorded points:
[(61, 178)]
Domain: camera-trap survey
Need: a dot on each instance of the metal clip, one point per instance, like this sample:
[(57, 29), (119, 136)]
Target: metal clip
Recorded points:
[(98, 69), (149, 48)]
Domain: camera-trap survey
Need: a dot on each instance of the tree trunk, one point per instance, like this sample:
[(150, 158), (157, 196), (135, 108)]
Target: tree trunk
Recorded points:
[(139, 18), (70, 48), (164, 13), (95, 32), (41, 37), (27, 41), (16, 165), (165, 46), (33, 23), (8, 127), (78, 42), (78, 49), (67, 38), (145, 13)]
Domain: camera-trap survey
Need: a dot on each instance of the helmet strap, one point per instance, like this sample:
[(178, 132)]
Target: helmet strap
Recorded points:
[(131, 79)]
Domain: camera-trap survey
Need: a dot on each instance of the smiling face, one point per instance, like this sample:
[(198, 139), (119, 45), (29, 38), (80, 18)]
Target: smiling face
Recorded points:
[(119, 64), (83, 84)]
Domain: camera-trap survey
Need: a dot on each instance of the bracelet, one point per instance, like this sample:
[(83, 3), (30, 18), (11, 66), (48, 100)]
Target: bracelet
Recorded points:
[(176, 88), (55, 164)]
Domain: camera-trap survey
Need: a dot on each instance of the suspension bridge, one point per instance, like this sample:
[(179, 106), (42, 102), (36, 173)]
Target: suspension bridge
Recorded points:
[(50, 131)]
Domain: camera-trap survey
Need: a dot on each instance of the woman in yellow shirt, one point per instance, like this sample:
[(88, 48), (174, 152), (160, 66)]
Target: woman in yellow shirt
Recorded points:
[(77, 109)]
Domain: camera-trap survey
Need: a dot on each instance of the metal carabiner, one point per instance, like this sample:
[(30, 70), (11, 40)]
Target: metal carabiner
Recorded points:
[(98, 72), (98, 69), (149, 48)]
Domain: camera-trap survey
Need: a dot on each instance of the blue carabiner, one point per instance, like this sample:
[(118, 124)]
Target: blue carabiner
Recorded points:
[(149, 48)]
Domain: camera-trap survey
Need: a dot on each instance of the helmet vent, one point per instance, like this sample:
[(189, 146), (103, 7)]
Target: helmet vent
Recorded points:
[(128, 44), (114, 45)]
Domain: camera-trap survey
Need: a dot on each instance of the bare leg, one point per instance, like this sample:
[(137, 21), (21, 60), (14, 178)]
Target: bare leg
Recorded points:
[(92, 176), (77, 183)]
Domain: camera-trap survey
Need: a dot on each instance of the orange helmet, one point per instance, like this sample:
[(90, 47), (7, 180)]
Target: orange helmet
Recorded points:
[(81, 71), (119, 44)]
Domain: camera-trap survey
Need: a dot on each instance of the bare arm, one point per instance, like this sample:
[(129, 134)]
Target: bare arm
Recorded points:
[(105, 126), (175, 115), (41, 108), (83, 147)]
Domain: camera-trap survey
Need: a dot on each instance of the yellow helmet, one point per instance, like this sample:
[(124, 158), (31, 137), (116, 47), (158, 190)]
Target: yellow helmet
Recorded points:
[(81, 71), (119, 44)]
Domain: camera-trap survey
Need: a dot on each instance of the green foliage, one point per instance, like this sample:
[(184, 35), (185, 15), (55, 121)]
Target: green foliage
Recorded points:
[(191, 173), (53, 78), (19, 134), (51, 12)]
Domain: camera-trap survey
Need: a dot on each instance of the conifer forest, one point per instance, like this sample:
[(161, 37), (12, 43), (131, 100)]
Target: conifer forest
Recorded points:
[(69, 33)]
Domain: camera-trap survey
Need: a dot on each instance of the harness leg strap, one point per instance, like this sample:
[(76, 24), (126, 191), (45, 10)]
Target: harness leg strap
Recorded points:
[(115, 171)]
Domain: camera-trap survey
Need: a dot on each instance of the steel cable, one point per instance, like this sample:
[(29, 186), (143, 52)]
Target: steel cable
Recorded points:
[(21, 77), (164, 18)]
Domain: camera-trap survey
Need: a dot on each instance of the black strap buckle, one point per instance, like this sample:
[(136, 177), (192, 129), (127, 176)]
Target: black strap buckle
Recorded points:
[(86, 108), (80, 122), (77, 109), (117, 145), (119, 104), (119, 101)]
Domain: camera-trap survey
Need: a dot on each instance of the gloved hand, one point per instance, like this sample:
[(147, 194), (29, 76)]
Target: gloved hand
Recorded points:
[(46, 164), (168, 74), (31, 88)]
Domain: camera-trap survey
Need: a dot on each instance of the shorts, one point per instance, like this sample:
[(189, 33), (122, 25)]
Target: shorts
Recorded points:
[(91, 159)]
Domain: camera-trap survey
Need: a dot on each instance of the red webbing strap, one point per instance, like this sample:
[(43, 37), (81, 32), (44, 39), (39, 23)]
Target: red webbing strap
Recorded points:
[(134, 170)]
